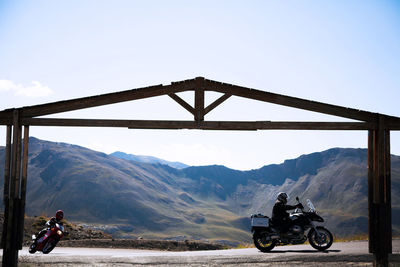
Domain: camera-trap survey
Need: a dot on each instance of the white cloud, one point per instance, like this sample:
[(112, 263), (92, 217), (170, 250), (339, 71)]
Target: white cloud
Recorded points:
[(36, 89), (6, 85)]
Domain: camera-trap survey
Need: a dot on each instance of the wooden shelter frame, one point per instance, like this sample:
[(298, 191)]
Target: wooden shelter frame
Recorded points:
[(18, 121)]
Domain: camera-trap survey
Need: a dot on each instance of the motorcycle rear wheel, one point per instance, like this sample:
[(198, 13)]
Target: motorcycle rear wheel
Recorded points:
[(323, 241), (261, 243)]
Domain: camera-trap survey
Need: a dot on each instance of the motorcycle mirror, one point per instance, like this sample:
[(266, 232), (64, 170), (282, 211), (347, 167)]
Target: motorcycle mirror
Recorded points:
[(297, 198)]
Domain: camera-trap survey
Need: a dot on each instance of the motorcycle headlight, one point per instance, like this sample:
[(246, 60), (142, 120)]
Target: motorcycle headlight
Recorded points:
[(59, 232)]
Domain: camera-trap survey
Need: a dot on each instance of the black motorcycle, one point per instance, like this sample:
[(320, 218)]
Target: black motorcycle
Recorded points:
[(266, 236)]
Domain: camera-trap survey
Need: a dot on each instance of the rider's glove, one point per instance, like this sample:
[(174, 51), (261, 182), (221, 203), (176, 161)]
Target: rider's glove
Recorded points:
[(300, 206)]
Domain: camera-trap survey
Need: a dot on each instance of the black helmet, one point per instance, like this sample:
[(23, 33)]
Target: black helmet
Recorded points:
[(282, 197)]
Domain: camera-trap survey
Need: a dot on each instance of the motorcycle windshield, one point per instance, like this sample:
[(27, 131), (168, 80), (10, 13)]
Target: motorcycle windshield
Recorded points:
[(310, 205), (59, 226)]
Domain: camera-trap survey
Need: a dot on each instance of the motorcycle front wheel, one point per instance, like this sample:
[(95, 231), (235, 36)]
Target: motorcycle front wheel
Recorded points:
[(32, 248), (321, 241), (261, 242), (50, 245)]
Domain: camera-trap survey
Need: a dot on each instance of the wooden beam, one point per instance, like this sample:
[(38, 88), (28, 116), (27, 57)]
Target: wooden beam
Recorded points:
[(199, 100), (7, 164), (14, 155), (6, 193), (393, 126), (379, 194), (182, 102), (18, 163), (6, 121), (106, 99), (372, 216), (388, 192), (390, 127), (291, 101), (23, 187), (392, 123), (6, 114), (205, 125), (10, 248), (216, 103)]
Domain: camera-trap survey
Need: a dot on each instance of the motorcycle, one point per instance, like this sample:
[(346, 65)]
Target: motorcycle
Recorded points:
[(48, 241), (266, 236)]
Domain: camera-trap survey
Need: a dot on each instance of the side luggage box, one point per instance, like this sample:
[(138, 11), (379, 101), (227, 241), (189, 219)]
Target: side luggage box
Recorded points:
[(259, 221)]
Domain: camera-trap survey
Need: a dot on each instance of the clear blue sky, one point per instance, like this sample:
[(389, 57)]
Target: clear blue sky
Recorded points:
[(340, 52)]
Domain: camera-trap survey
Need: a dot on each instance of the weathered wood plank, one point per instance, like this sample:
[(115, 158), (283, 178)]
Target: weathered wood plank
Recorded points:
[(6, 121), (206, 125), (10, 249), (291, 101), (379, 203), (106, 99), (394, 126), (14, 156), (6, 193), (388, 193), (18, 163), (6, 114), (216, 103), (7, 163), (199, 100), (21, 216), (182, 102), (371, 210)]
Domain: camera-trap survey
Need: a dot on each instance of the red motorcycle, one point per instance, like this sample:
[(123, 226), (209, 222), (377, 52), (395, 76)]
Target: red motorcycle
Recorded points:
[(48, 241)]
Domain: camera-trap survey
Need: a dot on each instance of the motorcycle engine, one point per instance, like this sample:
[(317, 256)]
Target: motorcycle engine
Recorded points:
[(296, 229), (298, 236)]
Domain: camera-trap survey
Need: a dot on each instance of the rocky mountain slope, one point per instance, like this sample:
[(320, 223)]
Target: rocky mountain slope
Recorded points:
[(149, 159), (128, 198)]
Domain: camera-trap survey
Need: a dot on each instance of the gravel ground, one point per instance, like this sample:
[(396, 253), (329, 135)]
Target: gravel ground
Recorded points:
[(343, 254)]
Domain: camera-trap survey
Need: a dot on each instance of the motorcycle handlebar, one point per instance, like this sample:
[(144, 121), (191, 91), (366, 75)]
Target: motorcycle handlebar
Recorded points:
[(299, 205)]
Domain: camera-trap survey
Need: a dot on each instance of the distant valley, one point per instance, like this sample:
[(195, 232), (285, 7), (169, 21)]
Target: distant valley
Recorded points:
[(129, 198)]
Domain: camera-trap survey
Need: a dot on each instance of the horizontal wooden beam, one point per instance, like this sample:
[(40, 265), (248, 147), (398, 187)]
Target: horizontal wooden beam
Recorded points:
[(5, 114), (5, 121), (291, 101), (204, 125), (104, 123)]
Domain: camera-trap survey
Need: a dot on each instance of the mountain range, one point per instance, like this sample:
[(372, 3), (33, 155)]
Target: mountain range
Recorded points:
[(130, 198), (148, 159)]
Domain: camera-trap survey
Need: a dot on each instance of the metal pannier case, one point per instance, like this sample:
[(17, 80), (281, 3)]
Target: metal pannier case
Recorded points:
[(259, 220)]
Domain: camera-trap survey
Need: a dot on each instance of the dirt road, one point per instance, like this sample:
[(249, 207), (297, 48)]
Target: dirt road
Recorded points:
[(349, 254)]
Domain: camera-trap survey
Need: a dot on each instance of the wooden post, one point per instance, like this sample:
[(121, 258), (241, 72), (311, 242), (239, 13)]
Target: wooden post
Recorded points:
[(379, 194), (372, 218), (6, 194), (23, 187), (10, 248), (388, 191)]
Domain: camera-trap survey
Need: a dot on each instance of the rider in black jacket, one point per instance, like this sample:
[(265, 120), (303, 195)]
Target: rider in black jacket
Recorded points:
[(280, 218)]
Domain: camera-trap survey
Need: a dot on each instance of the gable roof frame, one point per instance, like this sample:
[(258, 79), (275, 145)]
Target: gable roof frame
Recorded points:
[(366, 120)]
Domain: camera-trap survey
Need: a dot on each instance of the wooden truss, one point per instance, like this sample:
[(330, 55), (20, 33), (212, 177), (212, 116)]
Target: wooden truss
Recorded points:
[(377, 125)]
